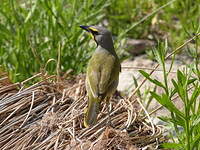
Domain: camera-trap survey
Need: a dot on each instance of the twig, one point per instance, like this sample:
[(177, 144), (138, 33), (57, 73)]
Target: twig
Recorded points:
[(144, 68), (33, 97), (11, 114), (37, 75), (148, 116)]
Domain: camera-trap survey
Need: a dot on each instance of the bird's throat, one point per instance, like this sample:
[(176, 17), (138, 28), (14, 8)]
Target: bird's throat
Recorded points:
[(110, 50)]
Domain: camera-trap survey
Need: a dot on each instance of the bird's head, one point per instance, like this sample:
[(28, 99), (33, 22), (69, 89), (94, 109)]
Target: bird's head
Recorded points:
[(100, 35)]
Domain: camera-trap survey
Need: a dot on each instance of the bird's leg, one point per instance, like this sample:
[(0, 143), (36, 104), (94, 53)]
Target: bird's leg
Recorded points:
[(109, 123)]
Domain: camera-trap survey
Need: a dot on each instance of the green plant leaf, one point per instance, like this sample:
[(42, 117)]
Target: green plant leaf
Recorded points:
[(165, 119), (175, 84), (196, 121), (31, 12), (173, 92), (195, 94), (181, 77), (196, 141), (164, 101), (156, 82), (178, 87), (176, 120), (170, 145), (191, 81)]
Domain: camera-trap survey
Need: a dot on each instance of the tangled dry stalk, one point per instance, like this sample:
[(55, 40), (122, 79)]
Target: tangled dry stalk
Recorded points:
[(49, 115)]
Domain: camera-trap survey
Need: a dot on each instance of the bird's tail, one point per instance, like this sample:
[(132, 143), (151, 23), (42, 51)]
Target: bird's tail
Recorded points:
[(91, 113)]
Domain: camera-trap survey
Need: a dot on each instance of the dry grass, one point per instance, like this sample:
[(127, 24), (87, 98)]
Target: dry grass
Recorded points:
[(49, 115)]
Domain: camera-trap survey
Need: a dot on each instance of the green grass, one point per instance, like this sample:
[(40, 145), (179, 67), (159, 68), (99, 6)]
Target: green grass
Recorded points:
[(33, 33), (175, 22)]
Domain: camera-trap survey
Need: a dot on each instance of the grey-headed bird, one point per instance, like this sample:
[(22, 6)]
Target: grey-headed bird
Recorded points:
[(102, 73)]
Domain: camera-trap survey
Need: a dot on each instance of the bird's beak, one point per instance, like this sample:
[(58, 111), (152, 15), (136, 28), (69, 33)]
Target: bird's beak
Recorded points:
[(90, 30), (85, 28)]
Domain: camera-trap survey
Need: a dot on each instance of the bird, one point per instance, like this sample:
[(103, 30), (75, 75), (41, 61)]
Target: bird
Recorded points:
[(102, 75)]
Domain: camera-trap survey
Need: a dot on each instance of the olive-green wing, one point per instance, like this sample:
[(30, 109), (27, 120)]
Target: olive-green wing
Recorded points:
[(103, 69), (109, 73), (92, 80)]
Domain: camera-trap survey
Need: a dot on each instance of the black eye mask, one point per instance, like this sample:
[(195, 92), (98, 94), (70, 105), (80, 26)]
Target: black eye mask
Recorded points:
[(94, 32)]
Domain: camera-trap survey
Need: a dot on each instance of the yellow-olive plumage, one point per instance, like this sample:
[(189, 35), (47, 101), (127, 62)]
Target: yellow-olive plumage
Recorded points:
[(102, 73)]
